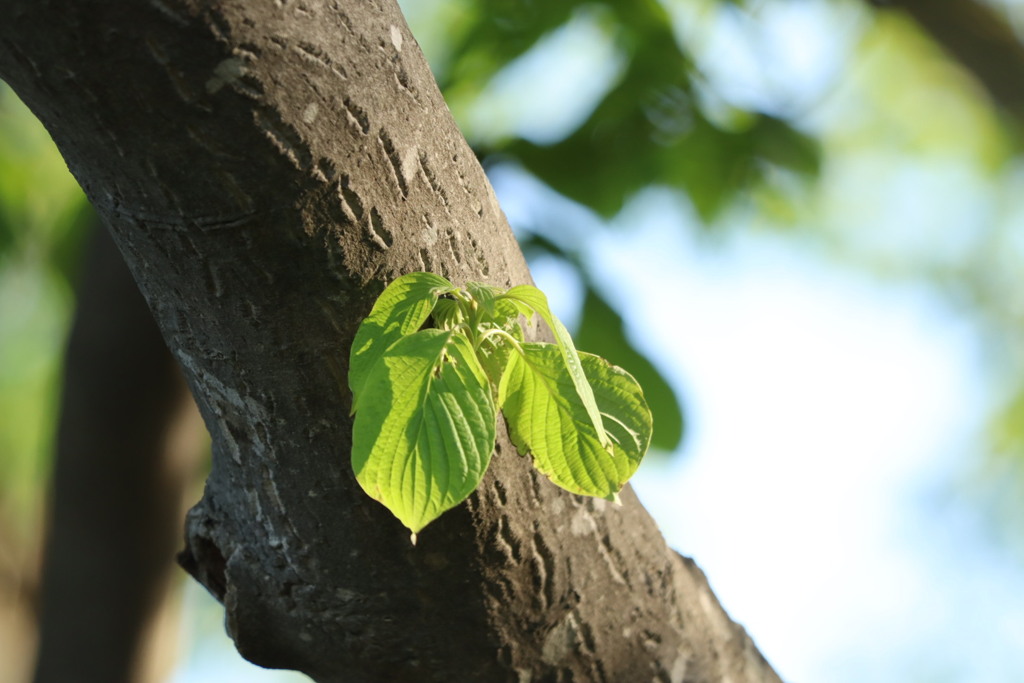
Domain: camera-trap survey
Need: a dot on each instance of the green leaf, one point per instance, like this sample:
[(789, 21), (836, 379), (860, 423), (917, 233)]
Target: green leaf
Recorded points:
[(484, 295), (494, 356), (497, 310), (507, 315), (425, 427), (547, 419), (401, 309), (601, 331), (447, 314), (536, 300)]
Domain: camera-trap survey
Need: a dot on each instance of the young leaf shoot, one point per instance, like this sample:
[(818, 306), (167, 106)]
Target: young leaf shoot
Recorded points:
[(433, 364)]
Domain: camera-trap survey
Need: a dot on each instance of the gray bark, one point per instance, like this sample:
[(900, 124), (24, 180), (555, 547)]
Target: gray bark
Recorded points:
[(265, 167)]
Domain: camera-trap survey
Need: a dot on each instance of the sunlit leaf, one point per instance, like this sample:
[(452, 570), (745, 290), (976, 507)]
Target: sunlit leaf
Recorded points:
[(536, 300), (400, 310), (547, 419), (601, 331), (447, 314), (484, 295), (425, 427)]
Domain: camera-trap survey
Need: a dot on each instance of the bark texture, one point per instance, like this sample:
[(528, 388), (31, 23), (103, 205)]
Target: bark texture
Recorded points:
[(265, 167)]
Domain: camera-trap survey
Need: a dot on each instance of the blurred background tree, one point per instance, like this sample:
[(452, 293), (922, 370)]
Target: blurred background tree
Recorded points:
[(630, 140)]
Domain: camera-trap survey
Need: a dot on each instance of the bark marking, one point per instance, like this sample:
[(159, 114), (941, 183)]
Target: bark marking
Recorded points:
[(396, 161), (312, 53), (287, 141), (431, 177), (231, 72), (351, 205), (379, 235), (356, 116)]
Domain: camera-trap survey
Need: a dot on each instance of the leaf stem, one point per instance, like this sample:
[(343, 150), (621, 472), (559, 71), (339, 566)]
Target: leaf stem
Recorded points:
[(497, 331)]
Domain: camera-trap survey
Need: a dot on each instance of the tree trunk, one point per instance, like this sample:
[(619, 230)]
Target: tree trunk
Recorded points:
[(264, 168)]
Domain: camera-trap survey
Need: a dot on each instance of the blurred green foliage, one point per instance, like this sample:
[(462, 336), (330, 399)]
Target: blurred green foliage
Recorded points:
[(647, 128), (43, 220), (43, 213)]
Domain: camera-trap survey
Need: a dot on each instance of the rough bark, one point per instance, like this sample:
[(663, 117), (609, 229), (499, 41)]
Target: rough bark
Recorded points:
[(127, 446), (265, 167)]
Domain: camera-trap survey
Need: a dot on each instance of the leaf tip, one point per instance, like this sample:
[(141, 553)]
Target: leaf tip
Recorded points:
[(412, 537)]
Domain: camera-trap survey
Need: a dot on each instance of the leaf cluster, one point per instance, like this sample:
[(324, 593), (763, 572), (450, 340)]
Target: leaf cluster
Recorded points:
[(433, 364)]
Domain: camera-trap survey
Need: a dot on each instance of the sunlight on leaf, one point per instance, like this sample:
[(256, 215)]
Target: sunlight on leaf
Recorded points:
[(547, 420), (400, 310), (535, 299), (425, 428)]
